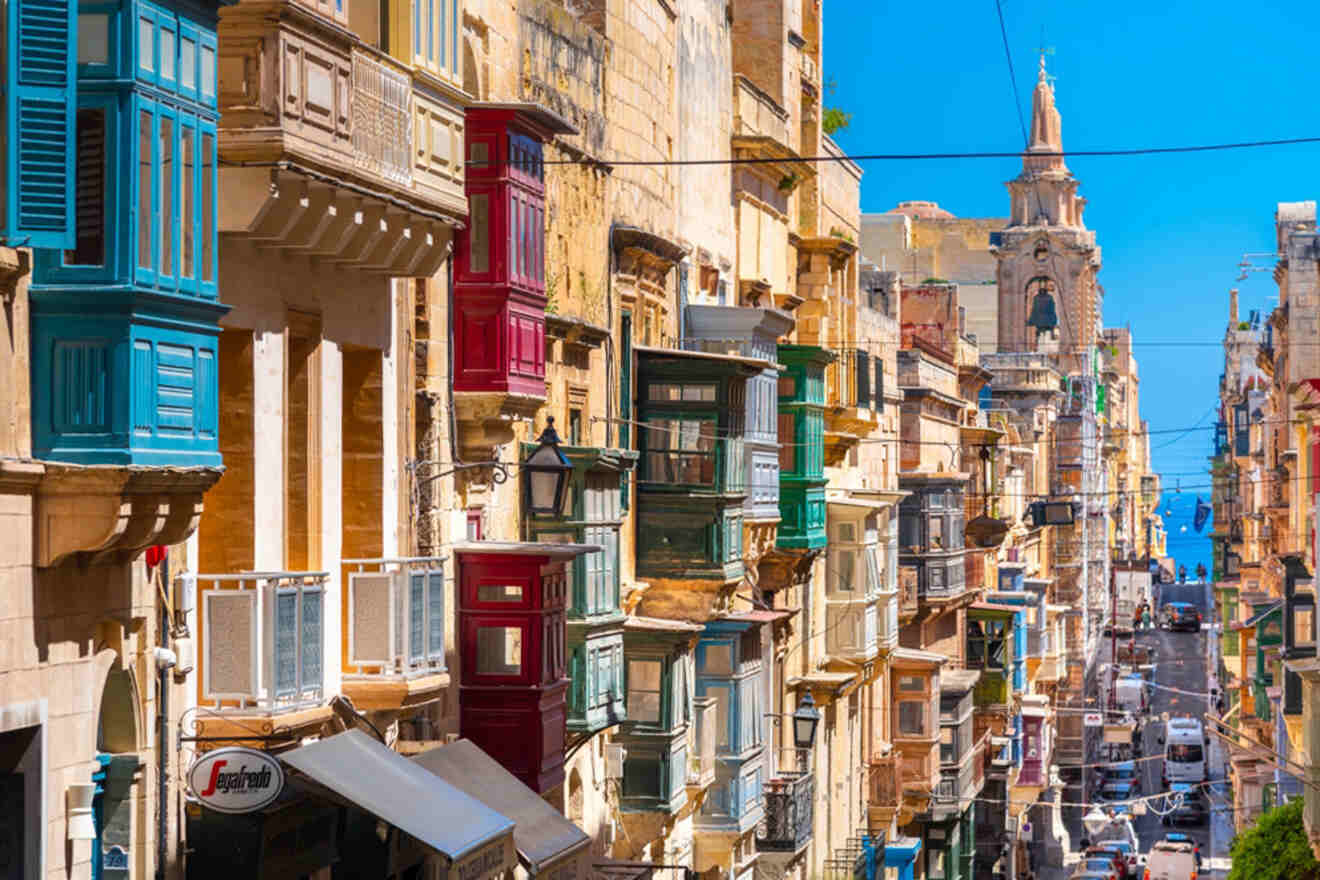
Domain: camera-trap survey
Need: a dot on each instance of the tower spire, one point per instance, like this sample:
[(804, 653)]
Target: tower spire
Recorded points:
[(1046, 127)]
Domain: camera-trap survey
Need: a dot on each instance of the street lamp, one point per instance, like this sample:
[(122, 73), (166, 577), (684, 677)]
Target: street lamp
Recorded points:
[(546, 473), (805, 720), (1095, 821)]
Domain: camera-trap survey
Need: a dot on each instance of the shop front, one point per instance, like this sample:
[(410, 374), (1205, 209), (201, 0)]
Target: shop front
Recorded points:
[(344, 807)]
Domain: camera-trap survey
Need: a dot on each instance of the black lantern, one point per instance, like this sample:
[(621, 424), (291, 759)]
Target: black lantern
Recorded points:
[(546, 474), (805, 720)]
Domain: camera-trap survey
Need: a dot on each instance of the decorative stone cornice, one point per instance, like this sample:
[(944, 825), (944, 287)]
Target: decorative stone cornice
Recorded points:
[(94, 514)]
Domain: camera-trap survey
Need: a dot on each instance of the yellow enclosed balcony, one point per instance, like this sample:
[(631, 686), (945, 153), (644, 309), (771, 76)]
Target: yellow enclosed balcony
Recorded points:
[(332, 149)]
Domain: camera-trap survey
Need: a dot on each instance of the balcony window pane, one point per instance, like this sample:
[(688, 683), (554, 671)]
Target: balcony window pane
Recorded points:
[(501, 593), (146, 44), (499, 650), (911, 683), (644, 690), (787, 451), (453, 33), (416, 616), (208, 207), (90, 168), (874, 583), (718, 660), (912, 718), (721, 695), (435, 596), (286, 644), (681, 451), (167, 54), (166, 184), (93, 39), (948, 751), (145, 211), (187, 63), (311, 640), (187, 201), (844, 576), (208, 71)]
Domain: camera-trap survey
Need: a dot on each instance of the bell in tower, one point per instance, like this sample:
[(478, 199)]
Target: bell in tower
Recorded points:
[(1043, 316)]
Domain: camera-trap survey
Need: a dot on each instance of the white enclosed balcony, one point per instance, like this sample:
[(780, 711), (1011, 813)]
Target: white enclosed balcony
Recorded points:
[(861, 606), (260, 641), (395, 611)]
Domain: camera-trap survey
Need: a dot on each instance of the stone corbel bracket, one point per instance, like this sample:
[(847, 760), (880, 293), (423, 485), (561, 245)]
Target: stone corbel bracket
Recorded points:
[(92, 515)]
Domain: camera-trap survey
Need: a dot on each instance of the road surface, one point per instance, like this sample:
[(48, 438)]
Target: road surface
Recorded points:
[(1180, 663)]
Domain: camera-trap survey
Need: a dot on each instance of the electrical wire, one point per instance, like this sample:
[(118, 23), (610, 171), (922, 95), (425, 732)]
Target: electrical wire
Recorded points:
[(911, 157)]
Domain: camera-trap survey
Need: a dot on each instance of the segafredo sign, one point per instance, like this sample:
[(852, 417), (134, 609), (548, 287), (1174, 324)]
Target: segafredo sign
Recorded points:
[(236, 780)]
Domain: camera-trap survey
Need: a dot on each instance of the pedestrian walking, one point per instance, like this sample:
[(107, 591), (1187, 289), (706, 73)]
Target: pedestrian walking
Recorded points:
[(1145, 616)]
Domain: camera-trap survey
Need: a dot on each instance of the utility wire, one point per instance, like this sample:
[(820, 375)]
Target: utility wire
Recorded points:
[(907, 157)]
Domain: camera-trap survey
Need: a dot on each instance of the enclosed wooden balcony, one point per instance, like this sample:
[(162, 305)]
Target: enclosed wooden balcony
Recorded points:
[(260, 652), (394, 615), (332, 149)]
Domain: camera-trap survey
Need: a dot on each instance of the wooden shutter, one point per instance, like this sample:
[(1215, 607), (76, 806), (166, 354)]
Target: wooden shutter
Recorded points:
[(879, 389), (41, 104), (863, 378)]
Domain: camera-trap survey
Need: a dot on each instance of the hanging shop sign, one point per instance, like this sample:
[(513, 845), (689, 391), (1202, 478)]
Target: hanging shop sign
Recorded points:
[(236, 780), (1093, 719)]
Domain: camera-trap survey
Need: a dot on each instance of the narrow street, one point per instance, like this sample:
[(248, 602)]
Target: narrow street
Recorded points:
[(1180, 664)]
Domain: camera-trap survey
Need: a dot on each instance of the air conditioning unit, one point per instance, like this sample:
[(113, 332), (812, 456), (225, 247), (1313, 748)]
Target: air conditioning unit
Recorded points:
[(615, 755)]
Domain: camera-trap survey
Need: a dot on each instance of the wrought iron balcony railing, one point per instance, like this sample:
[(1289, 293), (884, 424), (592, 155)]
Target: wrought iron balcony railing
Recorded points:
[(787, 821)]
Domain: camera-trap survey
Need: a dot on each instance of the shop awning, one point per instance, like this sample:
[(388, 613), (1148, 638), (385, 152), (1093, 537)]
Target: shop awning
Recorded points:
[(370, 776), (542, 835)]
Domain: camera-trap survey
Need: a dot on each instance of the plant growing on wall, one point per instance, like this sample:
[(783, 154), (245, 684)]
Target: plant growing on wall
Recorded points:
[(833, 119)]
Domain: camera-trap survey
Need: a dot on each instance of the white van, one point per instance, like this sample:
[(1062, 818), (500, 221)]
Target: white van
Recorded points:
[(1184, 751)]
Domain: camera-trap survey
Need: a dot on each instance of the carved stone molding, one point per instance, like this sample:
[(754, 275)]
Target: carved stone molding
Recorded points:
[(99, 514)]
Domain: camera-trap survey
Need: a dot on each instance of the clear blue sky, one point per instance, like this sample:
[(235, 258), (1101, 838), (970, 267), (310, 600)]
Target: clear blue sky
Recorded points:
[(931, 78)]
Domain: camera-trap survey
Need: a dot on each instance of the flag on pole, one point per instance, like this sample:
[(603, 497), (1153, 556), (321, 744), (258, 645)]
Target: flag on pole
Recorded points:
[(1203, 512)]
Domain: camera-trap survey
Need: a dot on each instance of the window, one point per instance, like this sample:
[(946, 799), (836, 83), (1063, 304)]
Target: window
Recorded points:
[(474, 525), (499, 650), (645, 697), (842, 574), (948, 745), (985, 644), (669, 392), (680, 450), (787, 440), (1184, 753), (718, 659), (187, 200), (508, 593), (165, 187), (145, 211), (89, 209), (575, 427), (208, 208), (874, 582), (912, 684), (912, 718)]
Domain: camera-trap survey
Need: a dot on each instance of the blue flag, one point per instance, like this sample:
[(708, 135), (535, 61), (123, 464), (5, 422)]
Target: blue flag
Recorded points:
[(1203, 512)]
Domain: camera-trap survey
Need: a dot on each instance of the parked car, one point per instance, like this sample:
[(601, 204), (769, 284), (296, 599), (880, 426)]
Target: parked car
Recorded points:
[(1182, 616), (1120, 790), (1179, 837), (1131, 858), (1096, 866), (1189, 805), (1108, 850), (1124, 772), (1170, 860), (1093, 875)]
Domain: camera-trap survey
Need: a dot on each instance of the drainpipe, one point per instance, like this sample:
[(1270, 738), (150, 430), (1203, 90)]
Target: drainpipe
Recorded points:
[(162, 733)]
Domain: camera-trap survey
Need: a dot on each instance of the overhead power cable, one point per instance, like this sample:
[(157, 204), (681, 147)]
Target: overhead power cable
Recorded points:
[(911, 157)]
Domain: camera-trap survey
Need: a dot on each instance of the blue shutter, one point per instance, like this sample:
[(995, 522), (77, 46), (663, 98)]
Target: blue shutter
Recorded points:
[(40, 123), (310, 680), (435, 602), (416, 616)]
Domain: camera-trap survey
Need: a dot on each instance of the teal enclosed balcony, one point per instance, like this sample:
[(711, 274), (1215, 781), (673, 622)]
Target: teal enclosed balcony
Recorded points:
[(802, 447), (691, 480)]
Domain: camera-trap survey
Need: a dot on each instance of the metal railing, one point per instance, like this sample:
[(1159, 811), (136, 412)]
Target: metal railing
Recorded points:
[(382, 119), (786, 823), (396, 616), (701, 752), (262, 639)]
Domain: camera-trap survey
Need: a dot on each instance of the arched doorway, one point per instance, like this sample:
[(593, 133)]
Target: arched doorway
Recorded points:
[(116, 745), (116, 725)]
